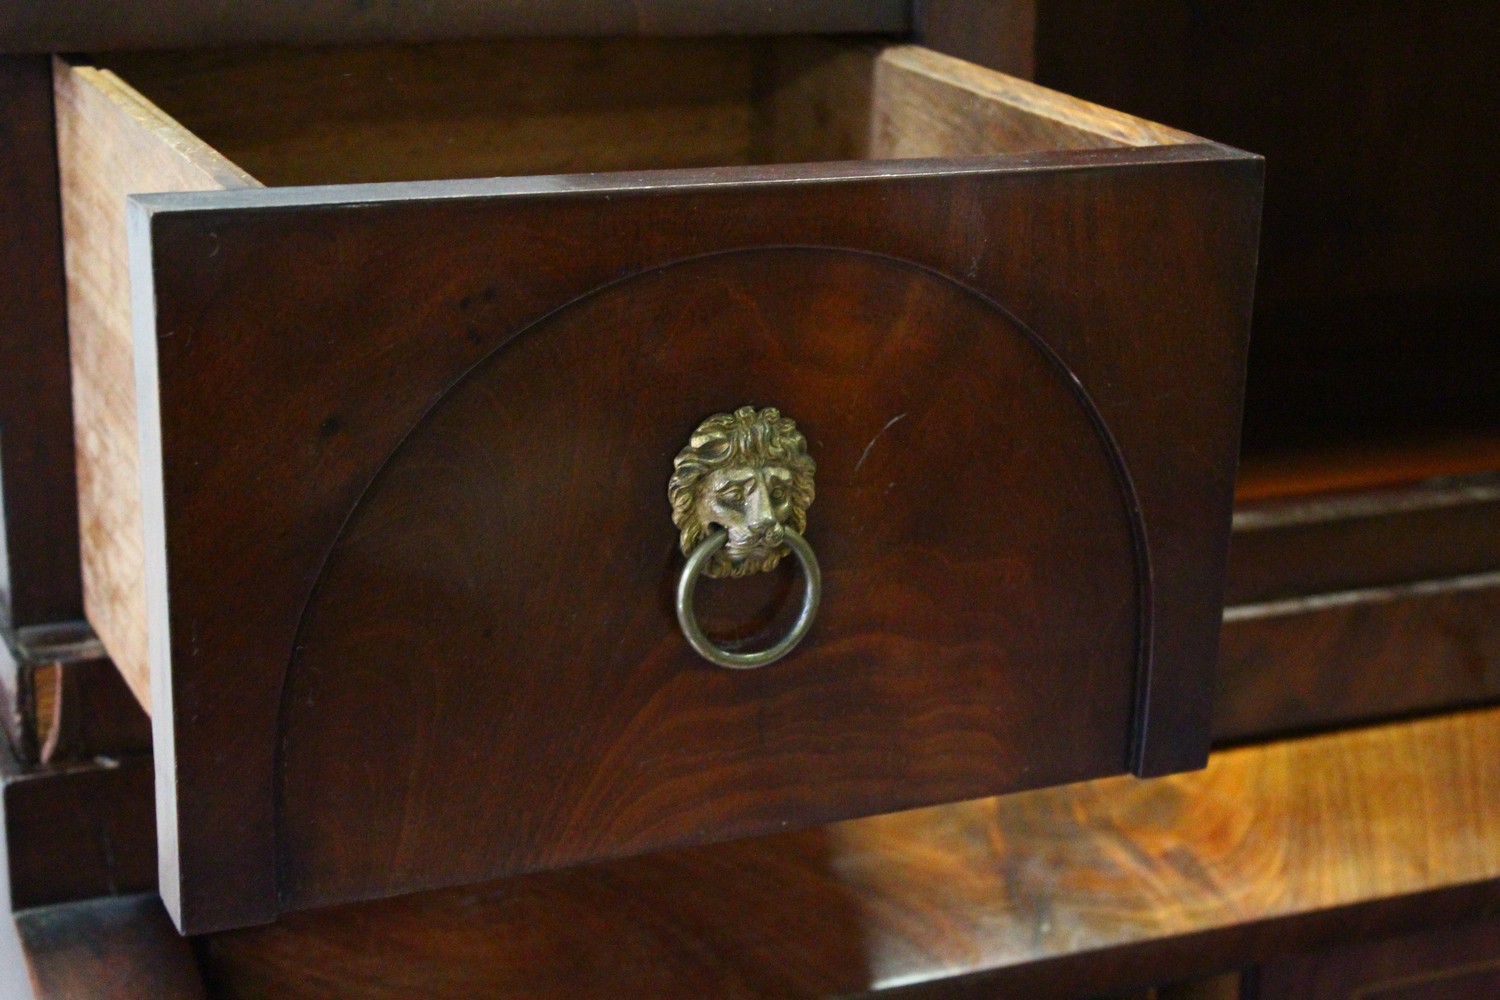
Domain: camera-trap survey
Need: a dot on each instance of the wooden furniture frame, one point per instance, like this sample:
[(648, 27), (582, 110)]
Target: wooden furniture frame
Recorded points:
[(1434, 541), (1094, 663)]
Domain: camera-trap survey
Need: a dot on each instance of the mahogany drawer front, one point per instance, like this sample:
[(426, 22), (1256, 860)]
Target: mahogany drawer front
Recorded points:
[(373, 476)]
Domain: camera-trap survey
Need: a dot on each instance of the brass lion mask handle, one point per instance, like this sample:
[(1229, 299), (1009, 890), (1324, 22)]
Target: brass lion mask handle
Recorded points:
[(740, 492)]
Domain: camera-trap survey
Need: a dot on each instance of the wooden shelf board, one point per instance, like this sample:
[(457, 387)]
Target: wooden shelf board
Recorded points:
[(1365, 465), (1301, 836)]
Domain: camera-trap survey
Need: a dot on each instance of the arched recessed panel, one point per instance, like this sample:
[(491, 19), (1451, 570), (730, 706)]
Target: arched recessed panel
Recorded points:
[(500, 602)]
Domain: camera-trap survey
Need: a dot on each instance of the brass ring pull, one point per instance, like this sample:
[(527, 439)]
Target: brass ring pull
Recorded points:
[(687, 584), (739, 493)]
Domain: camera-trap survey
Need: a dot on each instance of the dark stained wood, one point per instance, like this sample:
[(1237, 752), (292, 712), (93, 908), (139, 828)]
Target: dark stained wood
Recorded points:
[(1000, 34), (58, 712), (1329, 660), (1060, 893), (1372, 366), (40, 582), (1381, 256), (121, 948), (1323, 543), (547, 106), (1225, 986), (1398, 462), (93, 713), (1360, 604), (1443, 963), (63, 700), (953, 655), (480, 109), (508, 107), (81, 25), (79, 830), (1146, 962), (436, 277)]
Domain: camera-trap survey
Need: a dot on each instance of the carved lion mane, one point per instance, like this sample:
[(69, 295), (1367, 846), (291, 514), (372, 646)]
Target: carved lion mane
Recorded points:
[(746, 437)]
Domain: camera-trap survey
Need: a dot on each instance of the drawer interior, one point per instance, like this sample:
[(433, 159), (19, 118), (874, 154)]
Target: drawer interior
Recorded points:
[(396, 113), (166, 122)]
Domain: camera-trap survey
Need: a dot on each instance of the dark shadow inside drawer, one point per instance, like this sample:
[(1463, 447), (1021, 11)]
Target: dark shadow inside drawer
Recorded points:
[(320, 116)]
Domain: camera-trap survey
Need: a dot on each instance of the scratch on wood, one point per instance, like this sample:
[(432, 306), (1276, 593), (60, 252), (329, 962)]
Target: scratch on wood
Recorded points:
[(888, 425)]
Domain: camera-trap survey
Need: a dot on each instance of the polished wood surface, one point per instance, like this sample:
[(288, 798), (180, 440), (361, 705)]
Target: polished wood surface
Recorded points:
[(1372, 427), (39, 577), (1055, 893), (1296, 547), (262, 468), (420, 292), (84, 25), (1456, 962), (1000, 34), (1360, 604), (114, 948), (388, 113), (111, 144), (1339, 659), (952, 657), (502, 108), (1399, 461), (383, 113), (1381, 259), (78, 830)]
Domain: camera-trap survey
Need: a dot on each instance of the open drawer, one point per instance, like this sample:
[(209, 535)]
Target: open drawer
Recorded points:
[(374, 476)]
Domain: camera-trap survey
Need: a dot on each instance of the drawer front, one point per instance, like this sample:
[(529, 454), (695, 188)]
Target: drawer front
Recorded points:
[(418, 552), (409, 558), (501, 593)]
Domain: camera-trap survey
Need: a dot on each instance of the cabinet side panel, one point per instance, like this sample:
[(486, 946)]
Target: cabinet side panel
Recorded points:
[(39, 577)]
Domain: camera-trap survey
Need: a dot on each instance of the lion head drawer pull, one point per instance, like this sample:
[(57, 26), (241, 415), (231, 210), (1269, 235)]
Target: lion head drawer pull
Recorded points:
[(740, 492)]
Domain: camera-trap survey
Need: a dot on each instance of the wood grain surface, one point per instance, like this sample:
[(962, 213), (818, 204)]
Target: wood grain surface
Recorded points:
[(1401, 460), (1000, 34), (386, 113), (1381, 261), (78, 830), (929, 104), (1442, 963), (115, 948), (1033, 895), (112, 143), (39, 581), (502, 108), (1372, 365), (304, 261), (1337, 659), (1358, 605), (84, 25), (953, 656), (1323, 543), (419, 273)]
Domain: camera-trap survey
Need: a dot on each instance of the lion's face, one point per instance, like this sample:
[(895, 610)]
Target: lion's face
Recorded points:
[(748, 473)]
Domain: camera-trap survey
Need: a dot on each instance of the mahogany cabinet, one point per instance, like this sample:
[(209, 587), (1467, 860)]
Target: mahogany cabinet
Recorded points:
[(1460, 962), (360, 425), (1364, 574)]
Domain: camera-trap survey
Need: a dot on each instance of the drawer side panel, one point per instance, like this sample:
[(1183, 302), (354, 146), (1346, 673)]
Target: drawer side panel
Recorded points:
[(111, 144)]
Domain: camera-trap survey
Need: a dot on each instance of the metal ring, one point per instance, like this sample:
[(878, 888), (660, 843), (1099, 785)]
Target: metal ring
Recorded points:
[(687, 584)]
